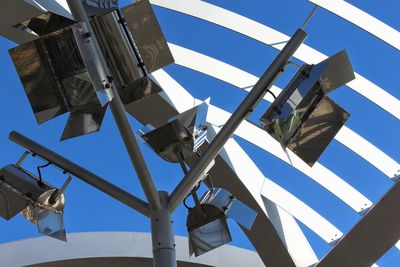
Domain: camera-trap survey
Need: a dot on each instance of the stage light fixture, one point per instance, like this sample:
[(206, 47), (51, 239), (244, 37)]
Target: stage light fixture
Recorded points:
[(59, 75), (180, 137), (207, 225), (302, 117), (37, 201)]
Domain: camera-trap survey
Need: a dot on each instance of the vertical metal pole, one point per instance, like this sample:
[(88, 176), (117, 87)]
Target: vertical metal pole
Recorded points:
[(118, 111), (162, 234), (245, 108)]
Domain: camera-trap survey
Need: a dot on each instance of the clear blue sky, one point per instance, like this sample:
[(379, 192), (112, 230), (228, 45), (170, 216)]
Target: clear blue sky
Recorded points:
[(104, 153)]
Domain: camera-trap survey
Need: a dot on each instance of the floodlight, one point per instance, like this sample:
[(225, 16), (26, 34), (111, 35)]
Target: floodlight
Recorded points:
[(207, 224), (178, 139), (59, 74), (37, 201), (302, 118)]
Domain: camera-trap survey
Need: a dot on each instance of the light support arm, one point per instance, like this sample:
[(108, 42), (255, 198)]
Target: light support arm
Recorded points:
[(81, 173), (119, 114), (245, 108)]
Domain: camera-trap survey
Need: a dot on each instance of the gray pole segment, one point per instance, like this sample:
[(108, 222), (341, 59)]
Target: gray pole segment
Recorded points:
[(245, 108), (118, 111), (81, 173), (162, 234)]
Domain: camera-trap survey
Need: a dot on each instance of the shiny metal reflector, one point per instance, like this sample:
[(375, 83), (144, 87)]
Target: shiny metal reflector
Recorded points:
[(146, 32), (207, 229), (302, 118), (232, 207), (180, 137)]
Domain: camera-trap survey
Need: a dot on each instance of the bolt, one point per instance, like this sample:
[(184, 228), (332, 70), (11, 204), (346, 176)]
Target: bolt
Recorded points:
[(87, 34)]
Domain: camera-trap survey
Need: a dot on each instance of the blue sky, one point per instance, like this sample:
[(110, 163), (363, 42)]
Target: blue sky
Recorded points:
[(104, 154)]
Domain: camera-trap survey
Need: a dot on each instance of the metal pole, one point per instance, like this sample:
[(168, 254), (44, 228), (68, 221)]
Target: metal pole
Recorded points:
[(118, 111), (244, 109), (162, 234), (81, 173)]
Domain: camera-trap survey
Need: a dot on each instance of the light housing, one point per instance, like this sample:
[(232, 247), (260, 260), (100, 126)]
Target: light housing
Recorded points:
[(22, 192), (181, 136), (302, 118), (207, 225), (59, 75)]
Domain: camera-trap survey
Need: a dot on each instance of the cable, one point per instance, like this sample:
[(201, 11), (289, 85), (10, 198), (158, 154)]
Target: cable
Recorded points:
[(273, 95), (40, 173)]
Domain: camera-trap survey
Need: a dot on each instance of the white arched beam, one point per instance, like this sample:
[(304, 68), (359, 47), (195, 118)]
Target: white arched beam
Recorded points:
[(276, 39), (244, 80), (362, 19)]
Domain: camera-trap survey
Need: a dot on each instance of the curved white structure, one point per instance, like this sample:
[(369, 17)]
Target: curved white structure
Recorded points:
[(276, 39), (362, 19), (103, 249)]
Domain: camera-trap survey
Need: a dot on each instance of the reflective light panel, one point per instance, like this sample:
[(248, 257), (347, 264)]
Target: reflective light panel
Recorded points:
[(302, 118)]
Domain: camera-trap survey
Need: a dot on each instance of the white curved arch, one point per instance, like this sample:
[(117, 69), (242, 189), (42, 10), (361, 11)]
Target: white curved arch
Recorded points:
[(113, 245), (362, 19), (301, 211), (276, 39), (182, 100), (244, 80)]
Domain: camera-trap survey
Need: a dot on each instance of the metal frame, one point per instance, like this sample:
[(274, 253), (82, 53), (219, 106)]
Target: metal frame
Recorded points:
[(161, 209), (158, 208)]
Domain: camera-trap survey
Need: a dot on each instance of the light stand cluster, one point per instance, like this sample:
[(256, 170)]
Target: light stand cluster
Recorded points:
[(110, 55)]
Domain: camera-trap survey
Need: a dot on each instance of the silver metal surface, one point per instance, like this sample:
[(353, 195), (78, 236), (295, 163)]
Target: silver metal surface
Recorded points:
[(18, 189), (136, 91), (119, 55), (81, 123), (207, 229), (170, 140), (39, 83), (147, 35), (290, 117), (232, 207), (339, 71), (244, 109), (318, 130), (181, 136), (88, 48), (49, 217), (162, 235), (81, 173)]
